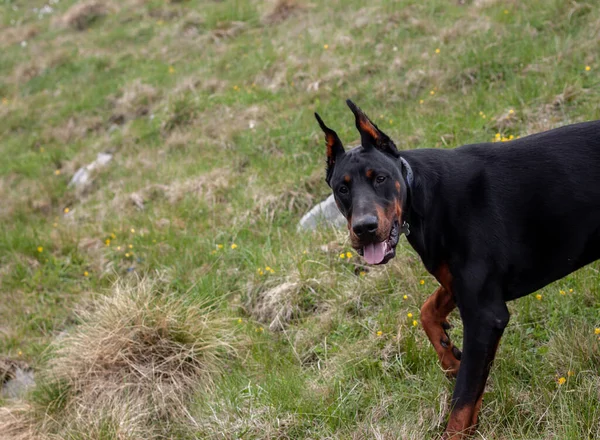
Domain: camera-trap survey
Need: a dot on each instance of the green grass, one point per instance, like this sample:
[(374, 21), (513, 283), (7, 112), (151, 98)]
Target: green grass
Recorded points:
[(183, 143)]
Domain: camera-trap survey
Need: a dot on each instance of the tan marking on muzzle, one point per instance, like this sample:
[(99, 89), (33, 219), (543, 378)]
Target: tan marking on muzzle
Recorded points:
[(384, 220)]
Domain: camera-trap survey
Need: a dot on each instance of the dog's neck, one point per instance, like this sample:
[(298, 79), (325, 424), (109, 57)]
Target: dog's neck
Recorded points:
[(408, 177), (417, 205)]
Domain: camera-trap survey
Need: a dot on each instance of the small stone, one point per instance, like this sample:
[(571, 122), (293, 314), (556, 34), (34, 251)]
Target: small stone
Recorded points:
[(16, 377), (325, 213), (82, 176)]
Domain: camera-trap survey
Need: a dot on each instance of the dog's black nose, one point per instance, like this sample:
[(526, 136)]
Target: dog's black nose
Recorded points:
[(365, 226)]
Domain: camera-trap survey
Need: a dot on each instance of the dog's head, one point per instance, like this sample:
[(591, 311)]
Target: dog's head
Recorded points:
[(368, 187)]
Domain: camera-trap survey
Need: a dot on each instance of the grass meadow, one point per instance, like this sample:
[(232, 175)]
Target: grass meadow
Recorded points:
[(171, 297)]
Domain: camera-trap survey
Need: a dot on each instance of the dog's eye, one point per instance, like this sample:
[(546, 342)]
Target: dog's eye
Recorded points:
[(343, 189), (380, 179)]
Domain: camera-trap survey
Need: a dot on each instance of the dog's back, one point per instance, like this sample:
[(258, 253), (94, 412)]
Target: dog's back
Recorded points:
[(532, 205)]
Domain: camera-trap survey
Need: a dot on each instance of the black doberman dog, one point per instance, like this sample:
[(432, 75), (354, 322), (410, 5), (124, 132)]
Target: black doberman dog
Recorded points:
[(492, 222)]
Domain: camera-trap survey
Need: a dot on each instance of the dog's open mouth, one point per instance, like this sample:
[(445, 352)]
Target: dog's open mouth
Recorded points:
[(382, 252)]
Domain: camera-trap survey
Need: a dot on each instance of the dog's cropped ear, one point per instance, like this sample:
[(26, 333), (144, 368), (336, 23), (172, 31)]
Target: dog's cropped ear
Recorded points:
[(335, 149), (370, 135)]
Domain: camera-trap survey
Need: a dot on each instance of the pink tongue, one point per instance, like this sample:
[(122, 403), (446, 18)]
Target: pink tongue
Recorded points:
[(374, 253)]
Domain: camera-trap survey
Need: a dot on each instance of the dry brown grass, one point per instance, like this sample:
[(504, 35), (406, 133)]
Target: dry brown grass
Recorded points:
[(15, 35), (133, 363), (15, 423), (275, 306), (81, 15), (134, 101), (282, 10), (552, 114), (208, 187)]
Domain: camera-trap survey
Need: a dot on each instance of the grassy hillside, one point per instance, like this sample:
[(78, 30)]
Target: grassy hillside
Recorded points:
[(171, 296)]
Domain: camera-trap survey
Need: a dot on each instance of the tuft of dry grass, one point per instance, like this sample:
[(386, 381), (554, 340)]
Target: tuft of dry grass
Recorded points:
[(134, 101), (132, 364), (208, 187), (283, 10), (81, 15), (15, 423), (15, 35), (275, 306)]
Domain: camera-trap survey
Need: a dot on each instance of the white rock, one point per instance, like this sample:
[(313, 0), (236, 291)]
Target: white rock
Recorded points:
[(83, 174), (325, 213), (18, 385)]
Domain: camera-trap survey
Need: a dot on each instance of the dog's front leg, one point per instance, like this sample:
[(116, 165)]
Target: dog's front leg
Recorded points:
[(485, 317), (434, 315)]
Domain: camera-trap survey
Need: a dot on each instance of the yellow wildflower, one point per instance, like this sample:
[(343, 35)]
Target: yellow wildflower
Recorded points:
[(562, 292), (127, 254), (326, 46), (570, 290), (379, 333), (40, 249), (561, 380), (405, 297), (588, 68), (437, 50), (597, 331), (112, 235), (421, 101), (570, 373), (233, 245), (130, 246), (86, 273), (422, 282), (118, 248), (410, 315), (348, 254), (171, 69), (66, 210), (132, 231), (107, 242), (342, 255), (432, 92), (240, 321), (57, 172), (538, 297), (20, 353), (414, 323), (511, 111), (362, 273)]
